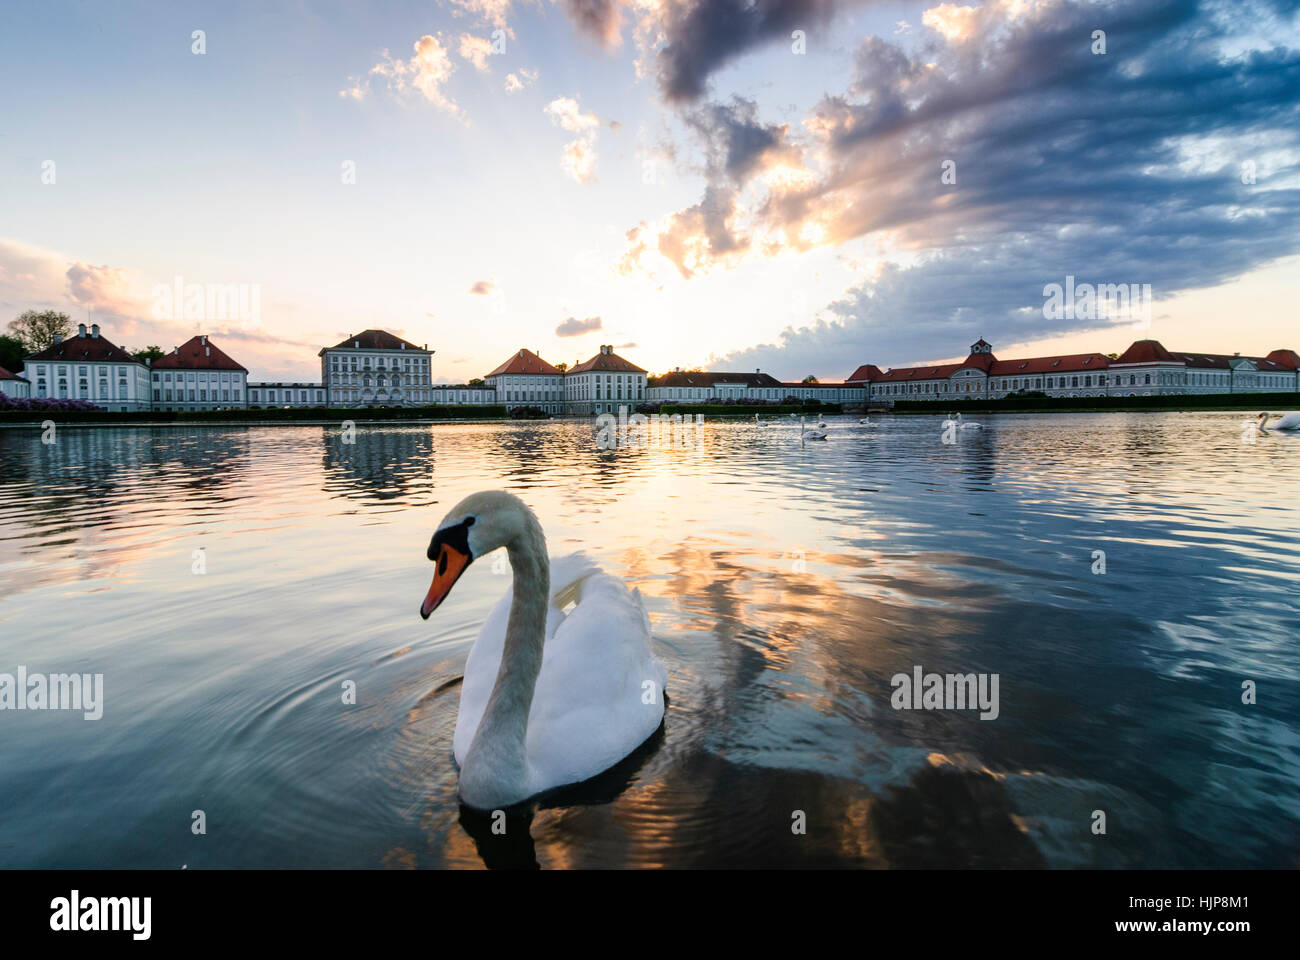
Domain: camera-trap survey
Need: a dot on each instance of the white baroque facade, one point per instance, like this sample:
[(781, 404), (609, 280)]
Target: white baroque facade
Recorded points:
[(1146, 368), (198, 375), (89, 367), (375, 368), (14, 385), (285, 394), (603, 383), (526, 380)]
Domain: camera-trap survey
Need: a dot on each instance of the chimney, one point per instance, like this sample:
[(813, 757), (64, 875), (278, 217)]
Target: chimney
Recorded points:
[(81, 329), (94, 330), (204, 339)]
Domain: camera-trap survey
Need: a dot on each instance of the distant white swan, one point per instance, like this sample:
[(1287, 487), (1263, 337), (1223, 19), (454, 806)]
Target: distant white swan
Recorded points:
[(868, 422), (966, 425), (1288, 421), (818, 432), (560, 684)]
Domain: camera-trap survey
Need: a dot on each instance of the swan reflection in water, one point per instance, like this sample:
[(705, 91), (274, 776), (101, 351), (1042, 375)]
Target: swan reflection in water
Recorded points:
[(944, 816), (503, 838)]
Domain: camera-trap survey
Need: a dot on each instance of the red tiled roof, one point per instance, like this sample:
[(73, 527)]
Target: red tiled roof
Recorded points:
[(921, 373), (197, 353), (1146, 351), (868, 371), (707, 378), (1150, 351), (1076, 361), (525, 361), (1285, 358), (1141, 351), (1214, 361), (83, 347), (606, 362), (991, 366), (6, 375), (375, 340)]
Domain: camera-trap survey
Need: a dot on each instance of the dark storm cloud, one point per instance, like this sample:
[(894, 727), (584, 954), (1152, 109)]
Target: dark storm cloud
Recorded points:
[(736, 142), (599, 19), (1122, 167), (737, 146), (704, 36)]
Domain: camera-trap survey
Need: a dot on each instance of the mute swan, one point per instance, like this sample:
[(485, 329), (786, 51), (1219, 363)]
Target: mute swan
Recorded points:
[(964, 425), (560, 684), (1288, 421), (813, 433)]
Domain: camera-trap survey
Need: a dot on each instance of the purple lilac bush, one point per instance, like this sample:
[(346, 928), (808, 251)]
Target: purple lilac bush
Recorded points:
[(44, 404)]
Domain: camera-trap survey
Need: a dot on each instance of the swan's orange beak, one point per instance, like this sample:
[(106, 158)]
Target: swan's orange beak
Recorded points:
[(451, 564)]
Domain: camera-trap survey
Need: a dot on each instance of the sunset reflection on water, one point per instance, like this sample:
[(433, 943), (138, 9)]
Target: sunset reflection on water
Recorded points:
[(786, 585)]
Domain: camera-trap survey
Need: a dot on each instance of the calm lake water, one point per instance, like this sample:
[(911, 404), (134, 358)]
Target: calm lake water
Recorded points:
[(785, 586)]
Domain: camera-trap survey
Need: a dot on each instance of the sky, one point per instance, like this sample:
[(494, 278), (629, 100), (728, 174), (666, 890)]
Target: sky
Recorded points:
[(796, 186)]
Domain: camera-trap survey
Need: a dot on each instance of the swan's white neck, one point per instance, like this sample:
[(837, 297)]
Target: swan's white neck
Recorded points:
[(495, 772)]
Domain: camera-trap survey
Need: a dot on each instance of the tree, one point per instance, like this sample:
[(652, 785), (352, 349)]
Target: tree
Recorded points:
[(37, 328), (562, 367), (12, 352), (151, 353), (1113, 356), (476, 382), (809, 379)]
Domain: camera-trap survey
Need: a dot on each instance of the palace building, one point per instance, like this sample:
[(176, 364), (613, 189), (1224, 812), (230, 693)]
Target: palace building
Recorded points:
[(89, 367), (13, 385), (714, 386), (1146, 368), (198, 375), (526, 380), (601, 384), (375, 368), (285, 394)]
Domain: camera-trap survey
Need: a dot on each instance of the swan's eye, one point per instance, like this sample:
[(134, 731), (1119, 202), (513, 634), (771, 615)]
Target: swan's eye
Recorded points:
[(469, 521)]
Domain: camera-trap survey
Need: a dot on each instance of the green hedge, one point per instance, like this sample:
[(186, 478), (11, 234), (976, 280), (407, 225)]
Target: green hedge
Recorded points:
[(271, 414), (747, 409), (1257, 401)]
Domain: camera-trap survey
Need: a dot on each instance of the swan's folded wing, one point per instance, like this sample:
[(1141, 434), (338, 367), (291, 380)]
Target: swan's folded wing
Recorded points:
[(567, 574), (600, 692)]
